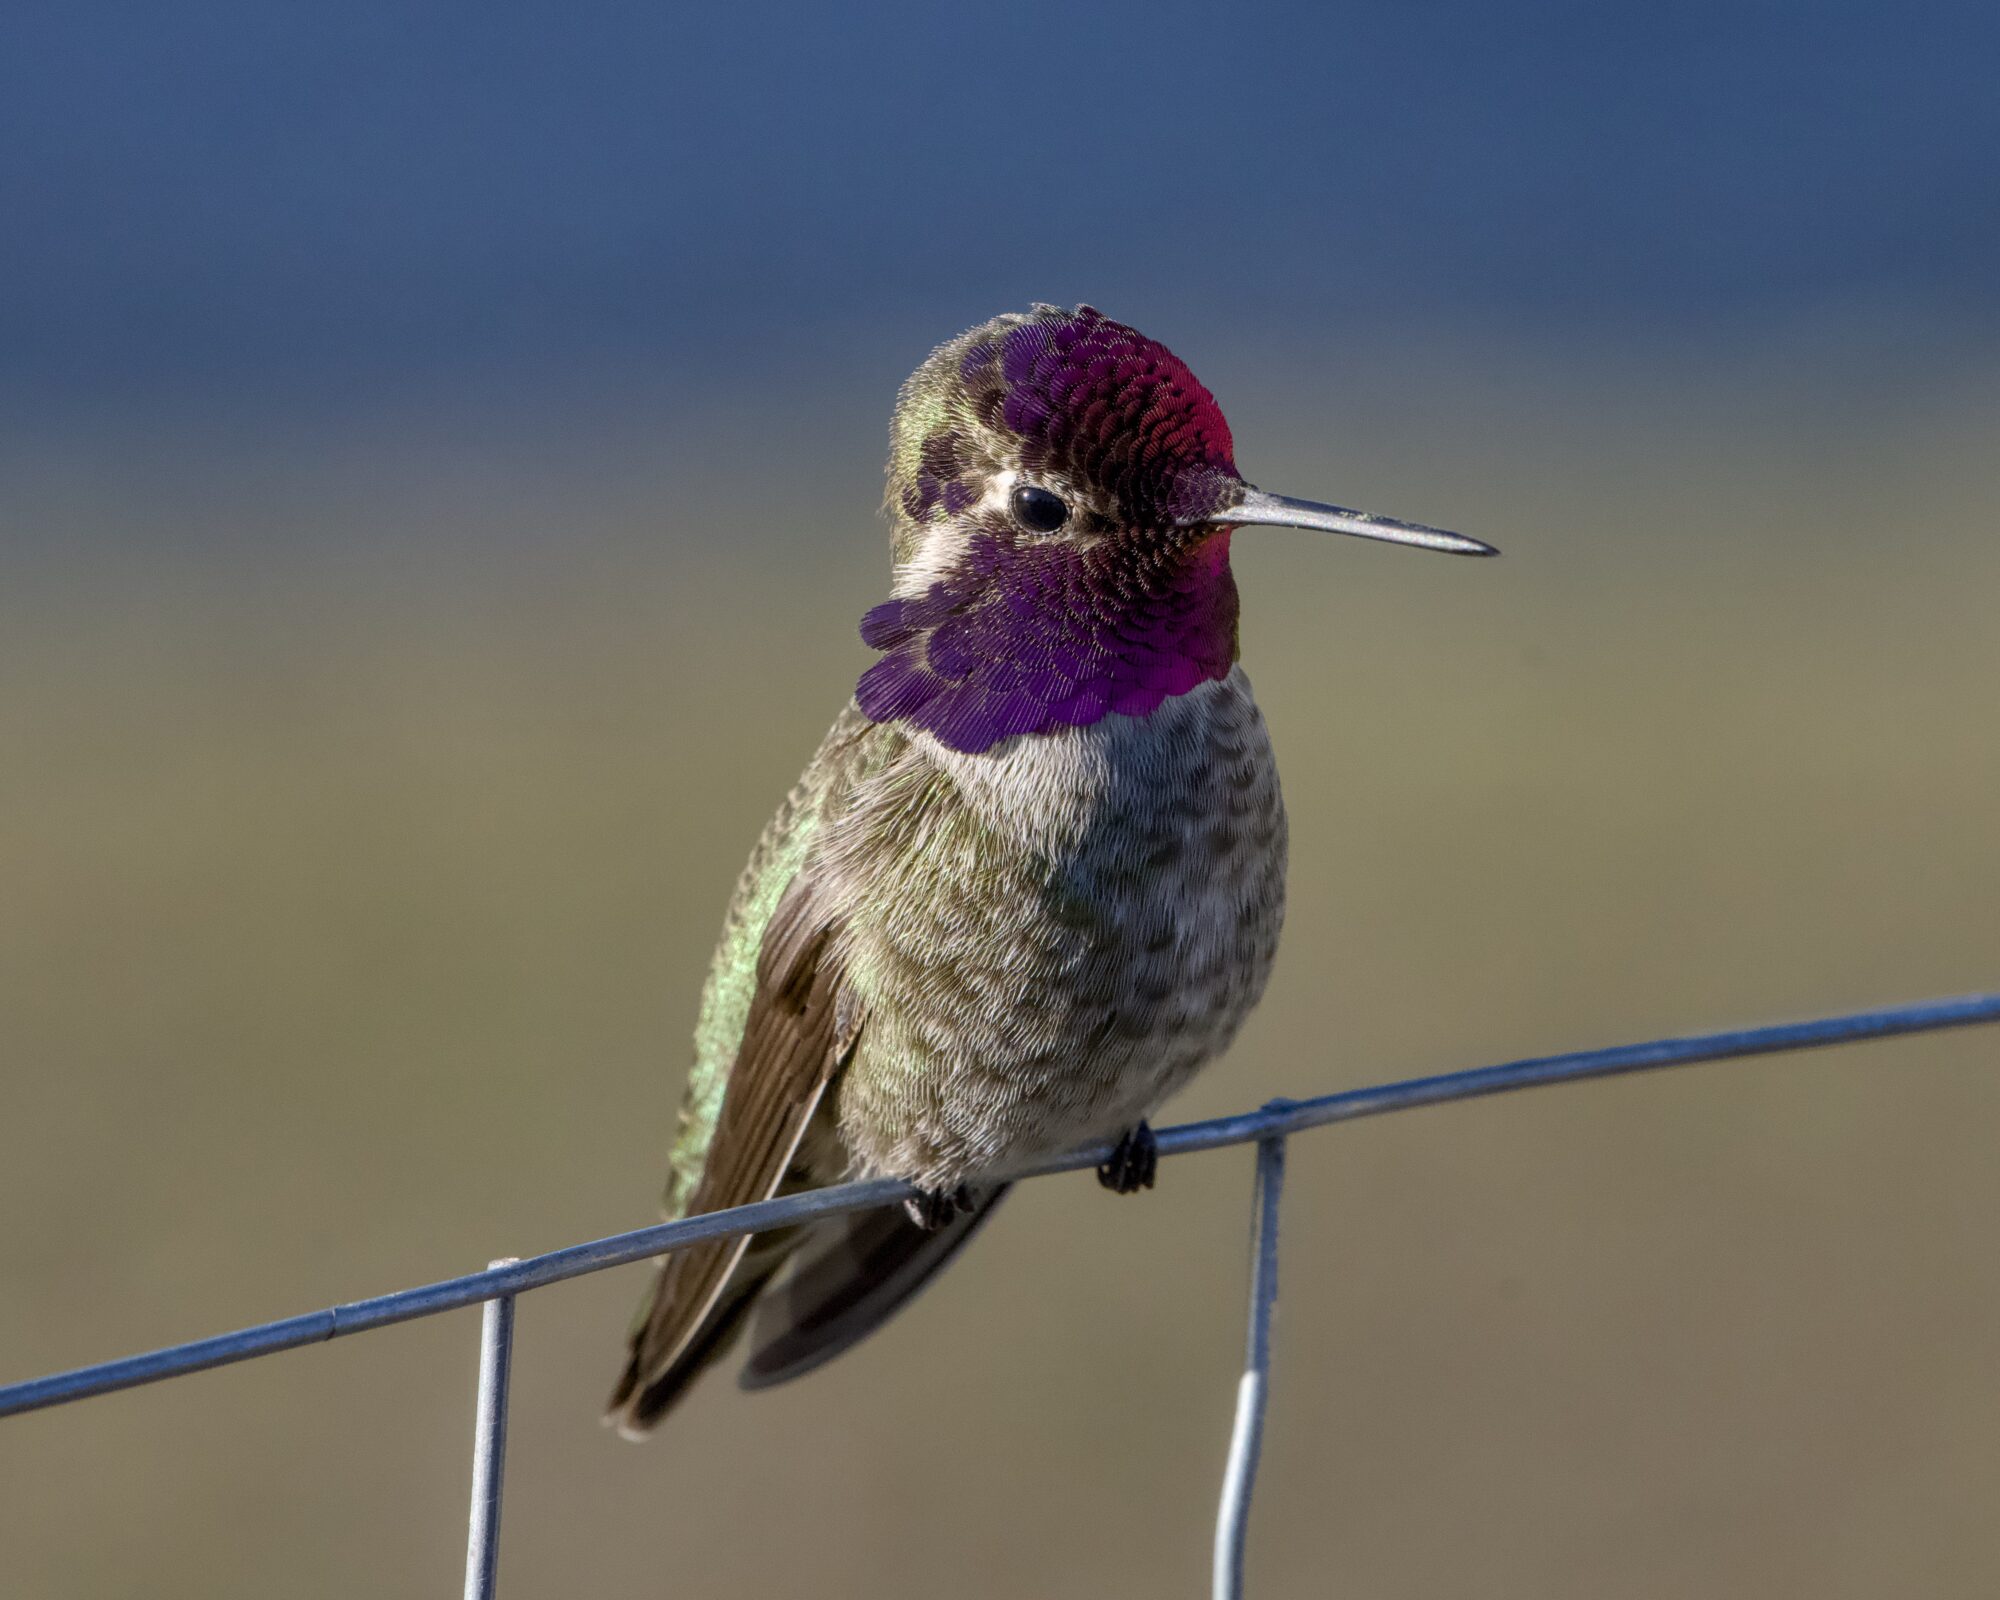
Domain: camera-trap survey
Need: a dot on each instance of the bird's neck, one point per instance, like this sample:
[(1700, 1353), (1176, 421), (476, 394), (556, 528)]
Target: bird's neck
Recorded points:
[(1025, 637)]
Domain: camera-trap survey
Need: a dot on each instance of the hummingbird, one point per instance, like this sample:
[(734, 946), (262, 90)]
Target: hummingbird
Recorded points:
[(1033, 878)]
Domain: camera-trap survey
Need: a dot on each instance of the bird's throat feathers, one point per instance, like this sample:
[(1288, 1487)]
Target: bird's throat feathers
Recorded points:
[(1026, 638)]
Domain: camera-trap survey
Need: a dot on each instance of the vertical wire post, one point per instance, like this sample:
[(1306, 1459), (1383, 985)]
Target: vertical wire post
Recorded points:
[(489, 1442), (1246, 1441)]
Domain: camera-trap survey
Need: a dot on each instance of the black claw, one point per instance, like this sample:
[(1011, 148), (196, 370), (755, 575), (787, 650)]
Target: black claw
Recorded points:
[(1135, 1160), (931, 1209)]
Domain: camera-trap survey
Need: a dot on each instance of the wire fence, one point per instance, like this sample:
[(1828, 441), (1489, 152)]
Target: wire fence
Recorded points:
[(496, 1287)]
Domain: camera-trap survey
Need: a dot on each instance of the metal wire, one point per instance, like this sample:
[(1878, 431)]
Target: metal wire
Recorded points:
[(506, 1278), (1246, 1441), (534, 1272), (489, 1443)]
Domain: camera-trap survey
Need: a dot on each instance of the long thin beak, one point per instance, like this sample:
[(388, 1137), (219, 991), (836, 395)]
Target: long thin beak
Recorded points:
[(1258, 509)]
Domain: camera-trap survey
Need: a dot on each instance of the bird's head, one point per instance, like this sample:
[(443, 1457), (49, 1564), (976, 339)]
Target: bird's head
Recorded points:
[(1062, 491)]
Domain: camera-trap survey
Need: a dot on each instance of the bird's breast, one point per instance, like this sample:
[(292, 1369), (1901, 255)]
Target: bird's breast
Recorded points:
[(1052, 936)]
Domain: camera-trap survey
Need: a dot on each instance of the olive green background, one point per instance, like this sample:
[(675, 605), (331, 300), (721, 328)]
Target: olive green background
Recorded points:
[(371, 793)]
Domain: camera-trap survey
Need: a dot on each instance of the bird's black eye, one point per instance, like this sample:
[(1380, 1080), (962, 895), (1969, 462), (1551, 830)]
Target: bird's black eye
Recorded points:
[(1038, 510)]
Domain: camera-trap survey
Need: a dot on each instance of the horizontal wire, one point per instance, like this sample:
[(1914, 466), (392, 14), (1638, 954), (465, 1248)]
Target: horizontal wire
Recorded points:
[(1280, 1117)]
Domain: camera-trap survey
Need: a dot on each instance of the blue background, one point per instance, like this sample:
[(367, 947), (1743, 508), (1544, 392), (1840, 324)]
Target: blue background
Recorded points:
[(310, 203)]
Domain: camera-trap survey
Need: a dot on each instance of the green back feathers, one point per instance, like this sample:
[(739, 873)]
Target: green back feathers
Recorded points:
[(732, 984), (853, 747)]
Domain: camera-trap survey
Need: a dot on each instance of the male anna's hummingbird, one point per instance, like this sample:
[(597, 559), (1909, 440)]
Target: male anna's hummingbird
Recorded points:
[(1033, 878)]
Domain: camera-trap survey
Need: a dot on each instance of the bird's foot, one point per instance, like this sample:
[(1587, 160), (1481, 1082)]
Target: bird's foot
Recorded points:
[(931, 1209), (1135, 1159)]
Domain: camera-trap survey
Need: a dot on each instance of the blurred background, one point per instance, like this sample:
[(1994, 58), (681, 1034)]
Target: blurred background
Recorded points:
[(438, 459)]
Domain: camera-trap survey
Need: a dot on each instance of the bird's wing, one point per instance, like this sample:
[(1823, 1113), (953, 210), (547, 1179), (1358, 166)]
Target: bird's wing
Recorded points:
[(776, 1023), (801, 1027)]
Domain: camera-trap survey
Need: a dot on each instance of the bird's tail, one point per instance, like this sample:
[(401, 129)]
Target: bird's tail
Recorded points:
[(646, 1392), (856, 1273)]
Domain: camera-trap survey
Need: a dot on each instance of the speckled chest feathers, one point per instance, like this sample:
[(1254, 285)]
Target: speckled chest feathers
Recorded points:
[(1051, 936)]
